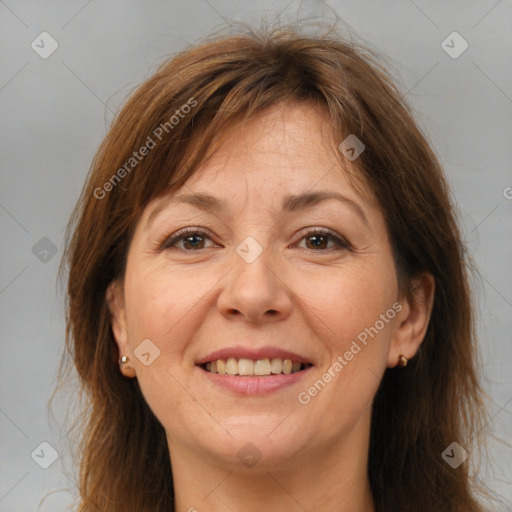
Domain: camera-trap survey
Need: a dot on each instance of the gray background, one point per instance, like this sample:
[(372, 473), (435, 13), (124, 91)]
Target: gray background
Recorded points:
[(55, 111)]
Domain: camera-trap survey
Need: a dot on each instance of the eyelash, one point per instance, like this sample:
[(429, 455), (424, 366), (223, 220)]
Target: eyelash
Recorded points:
[(169, 241)]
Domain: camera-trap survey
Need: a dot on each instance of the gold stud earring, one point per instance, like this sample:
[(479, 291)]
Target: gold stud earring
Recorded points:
[(402, 361), (127, 371)]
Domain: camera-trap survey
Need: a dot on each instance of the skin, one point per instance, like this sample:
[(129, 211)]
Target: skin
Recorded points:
[(309, 300)]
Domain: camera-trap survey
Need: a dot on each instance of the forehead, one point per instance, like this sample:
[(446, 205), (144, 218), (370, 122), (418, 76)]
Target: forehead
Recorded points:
[(291, 148), (285, 151)]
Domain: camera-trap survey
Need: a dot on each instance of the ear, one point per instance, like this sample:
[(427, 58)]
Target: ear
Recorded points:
[(412, 320), (116, 305)]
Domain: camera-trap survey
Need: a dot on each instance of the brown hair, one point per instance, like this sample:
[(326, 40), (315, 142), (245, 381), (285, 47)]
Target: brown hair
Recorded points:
[(419, 410)]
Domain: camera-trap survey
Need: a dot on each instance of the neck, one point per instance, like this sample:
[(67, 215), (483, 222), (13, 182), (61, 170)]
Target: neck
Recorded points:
[(332, 479)]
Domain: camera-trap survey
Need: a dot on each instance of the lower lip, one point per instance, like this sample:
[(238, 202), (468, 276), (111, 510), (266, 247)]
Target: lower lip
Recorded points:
[(254, 386)]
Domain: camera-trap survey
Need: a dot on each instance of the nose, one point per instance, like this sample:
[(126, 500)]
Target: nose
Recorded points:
[(255, 291)]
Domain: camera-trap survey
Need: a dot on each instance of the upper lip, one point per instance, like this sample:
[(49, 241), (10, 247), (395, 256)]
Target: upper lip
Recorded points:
[(240, 352)]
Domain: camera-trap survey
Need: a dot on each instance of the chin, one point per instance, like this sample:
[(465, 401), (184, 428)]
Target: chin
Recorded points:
[(256, 445)]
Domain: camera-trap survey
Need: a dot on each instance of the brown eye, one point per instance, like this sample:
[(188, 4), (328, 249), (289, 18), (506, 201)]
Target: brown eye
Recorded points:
[(188, 240), (194, 241), (319, 240)]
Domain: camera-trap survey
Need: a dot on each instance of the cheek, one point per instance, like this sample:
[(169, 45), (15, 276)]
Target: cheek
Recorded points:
[(160, 303), (354, 312), (162, 306), (347, 301)]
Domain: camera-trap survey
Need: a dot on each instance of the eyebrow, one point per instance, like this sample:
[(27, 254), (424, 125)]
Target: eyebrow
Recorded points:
[(291, 203)]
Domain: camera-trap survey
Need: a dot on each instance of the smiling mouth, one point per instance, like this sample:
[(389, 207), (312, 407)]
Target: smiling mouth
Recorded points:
[(243, 367)]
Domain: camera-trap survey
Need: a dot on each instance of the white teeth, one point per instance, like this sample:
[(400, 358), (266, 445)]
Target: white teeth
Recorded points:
[(276, 366), (246, 367), (232, 366), (262, 367), (221, 366), (259, 367)]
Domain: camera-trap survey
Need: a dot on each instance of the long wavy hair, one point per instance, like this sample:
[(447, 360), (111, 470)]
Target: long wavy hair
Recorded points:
[(418, 411)]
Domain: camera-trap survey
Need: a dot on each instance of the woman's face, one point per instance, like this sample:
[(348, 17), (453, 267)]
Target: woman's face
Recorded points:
[(271, 270)]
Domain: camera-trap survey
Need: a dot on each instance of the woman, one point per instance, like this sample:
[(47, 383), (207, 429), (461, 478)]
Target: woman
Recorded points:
[(268, 295)]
